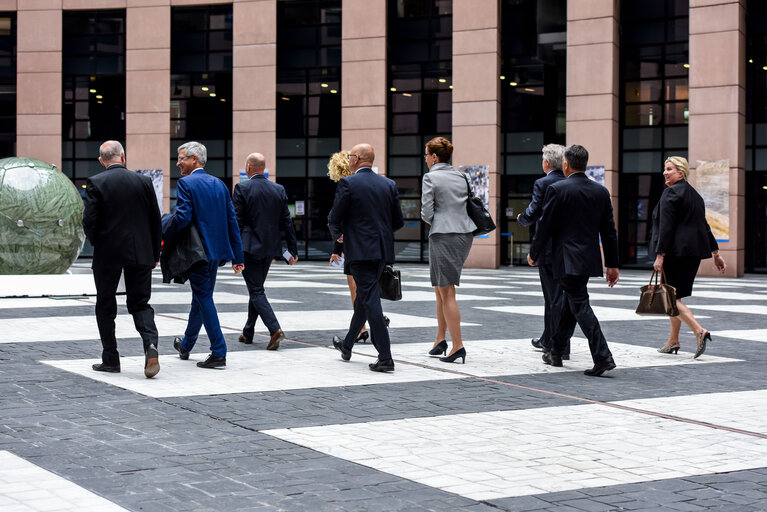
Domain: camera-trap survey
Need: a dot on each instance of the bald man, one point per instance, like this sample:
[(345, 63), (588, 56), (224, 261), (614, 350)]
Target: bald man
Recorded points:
[(262, 211), (366, 212), (122, 222)]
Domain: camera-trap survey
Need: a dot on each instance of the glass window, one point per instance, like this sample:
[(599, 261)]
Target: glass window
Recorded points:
[(7, 85), (93, 77)]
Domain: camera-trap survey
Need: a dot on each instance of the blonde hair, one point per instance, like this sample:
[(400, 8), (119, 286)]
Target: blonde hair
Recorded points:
[(338, 166), (681, 163)]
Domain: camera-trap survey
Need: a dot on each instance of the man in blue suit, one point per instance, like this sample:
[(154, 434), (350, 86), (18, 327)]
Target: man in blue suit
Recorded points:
[(205, 200), (262, 209), (365, 214), (552, 167)]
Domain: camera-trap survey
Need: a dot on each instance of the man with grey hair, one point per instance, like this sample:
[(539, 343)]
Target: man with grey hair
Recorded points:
[(204, 201), (552, 167), (122, 222)]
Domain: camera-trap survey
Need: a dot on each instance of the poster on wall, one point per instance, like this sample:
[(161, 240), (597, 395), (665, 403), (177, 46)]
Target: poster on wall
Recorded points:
[(712, 181), (156, 176), (480, 181), (596, 173)]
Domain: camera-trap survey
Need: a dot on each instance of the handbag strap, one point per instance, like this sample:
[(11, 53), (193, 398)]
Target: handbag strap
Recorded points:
[(469, 192)]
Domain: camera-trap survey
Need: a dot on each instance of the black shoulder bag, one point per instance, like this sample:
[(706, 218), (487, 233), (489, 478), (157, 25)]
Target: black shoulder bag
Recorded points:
[(475, 207)]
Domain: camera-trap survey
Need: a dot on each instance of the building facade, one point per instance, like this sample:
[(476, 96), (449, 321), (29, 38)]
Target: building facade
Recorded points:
[(297, 80)]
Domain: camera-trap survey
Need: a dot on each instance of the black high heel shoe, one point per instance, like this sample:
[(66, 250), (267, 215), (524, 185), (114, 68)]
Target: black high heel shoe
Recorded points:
[(702, 340), (440, 348), (362, 337), (461, 352)]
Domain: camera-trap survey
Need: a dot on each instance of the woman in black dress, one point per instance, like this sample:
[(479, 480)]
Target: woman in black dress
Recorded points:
[(681, 238)]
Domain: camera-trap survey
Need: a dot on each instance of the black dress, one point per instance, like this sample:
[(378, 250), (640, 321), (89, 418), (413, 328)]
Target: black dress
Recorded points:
[(680, 230)]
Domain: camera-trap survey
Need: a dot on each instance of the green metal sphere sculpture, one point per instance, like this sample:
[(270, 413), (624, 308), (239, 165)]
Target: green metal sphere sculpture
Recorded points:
[(41, 218)]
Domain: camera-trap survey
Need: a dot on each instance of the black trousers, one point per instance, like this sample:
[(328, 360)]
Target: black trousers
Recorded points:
[(138, 288), (573, 307), (367, 307), (552, 291), (255, 273)]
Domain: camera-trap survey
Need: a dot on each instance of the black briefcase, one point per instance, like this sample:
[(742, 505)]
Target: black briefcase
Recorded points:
[(390, 283)]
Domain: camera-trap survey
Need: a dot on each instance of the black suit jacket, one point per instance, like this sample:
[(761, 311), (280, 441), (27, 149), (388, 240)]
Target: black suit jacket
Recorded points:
[(122, 218), (262, 210), (576, 213), (679, 226), (366, 211), (533, 212)]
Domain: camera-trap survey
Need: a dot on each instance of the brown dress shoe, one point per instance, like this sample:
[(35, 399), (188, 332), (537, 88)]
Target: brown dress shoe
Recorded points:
[(152, 365), (274, 341), (245, 339)]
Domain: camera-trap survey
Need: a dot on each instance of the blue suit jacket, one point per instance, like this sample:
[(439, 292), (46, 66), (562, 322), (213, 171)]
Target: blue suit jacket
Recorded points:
[(576, 213), (533, 212), (204, 200), (262, 209), (366, 211)]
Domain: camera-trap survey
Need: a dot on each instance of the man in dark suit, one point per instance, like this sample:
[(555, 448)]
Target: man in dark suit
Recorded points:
[(122, 222), (365, 214), (576, 213), (552, 165), (205, 200), (261, 207)]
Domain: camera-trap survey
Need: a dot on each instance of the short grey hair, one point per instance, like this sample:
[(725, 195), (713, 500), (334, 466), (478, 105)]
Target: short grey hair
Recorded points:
[(553, 154), (193, 148), (110, 151)]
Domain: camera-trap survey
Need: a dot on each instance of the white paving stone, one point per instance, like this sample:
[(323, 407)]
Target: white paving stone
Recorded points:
[(603, 314), (180, 297), (753, 309), (500, 446), (25, 487), (592, 296), (423, 296), (462, 286), (743, 334)]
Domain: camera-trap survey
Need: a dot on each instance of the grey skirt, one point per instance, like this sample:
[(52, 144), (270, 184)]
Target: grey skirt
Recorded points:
[(447, 254)]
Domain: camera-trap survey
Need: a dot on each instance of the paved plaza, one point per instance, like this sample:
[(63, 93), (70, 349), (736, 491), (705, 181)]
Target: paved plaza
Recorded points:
[(301, 430)]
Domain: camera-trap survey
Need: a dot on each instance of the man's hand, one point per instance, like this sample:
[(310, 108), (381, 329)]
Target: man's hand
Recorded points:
[(530, 261), (658, 265), (292, 260), (238, 267), (721, 265), (340, 239), (335, 258), (612, 276), (518, 216)]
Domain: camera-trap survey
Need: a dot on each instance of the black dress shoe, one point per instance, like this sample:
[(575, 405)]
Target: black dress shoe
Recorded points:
[(182, 354), (601, 367), (536, 342), (339, 344), (549, 358), (106, 368), (386, 320), (382, 366), (152, 362), (248, 340), (212, 362)]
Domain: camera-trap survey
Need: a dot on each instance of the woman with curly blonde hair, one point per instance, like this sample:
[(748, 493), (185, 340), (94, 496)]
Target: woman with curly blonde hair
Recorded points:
[(338, 168)]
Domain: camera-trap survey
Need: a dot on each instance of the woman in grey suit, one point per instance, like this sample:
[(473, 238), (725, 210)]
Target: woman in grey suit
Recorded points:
[(443, 207)]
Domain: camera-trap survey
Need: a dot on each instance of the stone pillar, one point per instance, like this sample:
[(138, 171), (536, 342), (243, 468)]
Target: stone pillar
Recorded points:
[(363, 77), (592, 85), (38, 86), (477, 107), (147, 91), (717, 109), (254, 127)]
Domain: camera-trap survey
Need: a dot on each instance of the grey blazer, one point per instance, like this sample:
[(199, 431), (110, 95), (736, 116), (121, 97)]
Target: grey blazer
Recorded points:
[(443, 200)]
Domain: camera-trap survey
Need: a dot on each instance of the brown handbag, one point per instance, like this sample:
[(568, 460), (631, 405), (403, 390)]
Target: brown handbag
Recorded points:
[(657, 298)]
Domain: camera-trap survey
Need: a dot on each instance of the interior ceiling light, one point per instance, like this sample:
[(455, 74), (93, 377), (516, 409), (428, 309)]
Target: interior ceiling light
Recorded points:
[(442, 80), (406, 94), (92, 91), (513, 84), (323, 85), (393, 89), (333, 91), (686, 66), (204, 88), (99, 96), (213, 95)]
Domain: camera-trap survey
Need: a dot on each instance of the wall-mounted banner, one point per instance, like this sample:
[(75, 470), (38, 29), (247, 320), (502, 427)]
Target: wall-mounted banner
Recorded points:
[(713, 184), (480, 181), (596, 173), (156, 176)]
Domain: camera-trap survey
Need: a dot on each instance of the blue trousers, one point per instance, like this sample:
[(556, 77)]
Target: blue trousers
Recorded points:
[(203, 281), (367, 307), (255, 273)]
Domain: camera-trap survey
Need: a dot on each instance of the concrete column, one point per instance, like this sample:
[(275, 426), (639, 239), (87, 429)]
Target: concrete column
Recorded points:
[(718, 108), (592, 84), (254, 127), (363, 77), (38, 86), (477, 107), (147, 94)]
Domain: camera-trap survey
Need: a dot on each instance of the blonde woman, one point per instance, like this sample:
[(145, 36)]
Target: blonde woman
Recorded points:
[(338, 168), (681, 238)]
